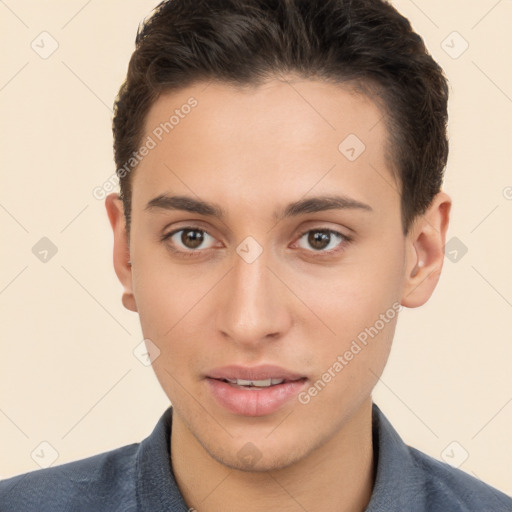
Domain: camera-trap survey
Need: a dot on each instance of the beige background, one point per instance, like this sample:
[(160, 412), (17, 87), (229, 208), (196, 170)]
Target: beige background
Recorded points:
[(68, 375)]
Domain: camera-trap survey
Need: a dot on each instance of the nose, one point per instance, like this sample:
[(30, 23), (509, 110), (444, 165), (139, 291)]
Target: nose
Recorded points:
[(253, 303)]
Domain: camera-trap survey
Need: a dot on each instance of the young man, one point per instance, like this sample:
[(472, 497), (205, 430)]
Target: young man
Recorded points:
[(281, 166)]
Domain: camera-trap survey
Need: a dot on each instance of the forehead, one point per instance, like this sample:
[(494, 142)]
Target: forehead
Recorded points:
[(248, 145)]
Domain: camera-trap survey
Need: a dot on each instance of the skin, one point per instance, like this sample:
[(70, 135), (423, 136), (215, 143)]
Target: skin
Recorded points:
[(252, 151)]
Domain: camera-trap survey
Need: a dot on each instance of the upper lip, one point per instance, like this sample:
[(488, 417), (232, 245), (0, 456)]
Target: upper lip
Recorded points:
[(262, 372)]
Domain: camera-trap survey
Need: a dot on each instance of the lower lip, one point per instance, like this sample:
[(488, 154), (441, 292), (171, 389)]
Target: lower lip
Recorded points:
[(254, 402)]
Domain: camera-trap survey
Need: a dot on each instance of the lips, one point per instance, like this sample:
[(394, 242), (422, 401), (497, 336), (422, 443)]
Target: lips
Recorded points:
[(256, 373), (256, 391), (257, 384)]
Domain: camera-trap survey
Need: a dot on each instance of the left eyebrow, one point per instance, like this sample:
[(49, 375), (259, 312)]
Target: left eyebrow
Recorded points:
[(303, 206), (320, 204)]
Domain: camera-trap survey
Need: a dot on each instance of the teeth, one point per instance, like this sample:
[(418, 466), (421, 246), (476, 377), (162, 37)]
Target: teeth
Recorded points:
[(256, 383), (262, 383)]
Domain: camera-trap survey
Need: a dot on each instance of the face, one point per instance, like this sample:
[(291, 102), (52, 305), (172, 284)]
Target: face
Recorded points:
[(313, 289)]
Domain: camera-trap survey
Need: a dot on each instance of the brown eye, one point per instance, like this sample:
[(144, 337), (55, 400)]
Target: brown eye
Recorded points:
[(187, 240), (323, 240), (318, 239), (192, 238)]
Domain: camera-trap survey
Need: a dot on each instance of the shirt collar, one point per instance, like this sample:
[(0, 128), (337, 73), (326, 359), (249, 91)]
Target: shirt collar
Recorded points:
[(398, 482), (156, 486), (397, 486)]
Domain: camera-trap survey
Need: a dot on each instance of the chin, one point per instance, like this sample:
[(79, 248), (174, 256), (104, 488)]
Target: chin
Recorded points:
[(249, 458)]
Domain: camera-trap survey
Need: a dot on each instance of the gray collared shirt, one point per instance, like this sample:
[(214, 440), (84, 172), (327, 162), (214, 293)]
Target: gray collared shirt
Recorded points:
[(138, 477)]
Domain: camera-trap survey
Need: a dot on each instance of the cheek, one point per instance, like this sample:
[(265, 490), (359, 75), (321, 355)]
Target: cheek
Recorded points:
[(165, 305), (169, 301), (362, 318), (356, 313), (165, 293), (353, 295)]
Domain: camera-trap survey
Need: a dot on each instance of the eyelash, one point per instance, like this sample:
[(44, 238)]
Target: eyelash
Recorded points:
[(345, 240)]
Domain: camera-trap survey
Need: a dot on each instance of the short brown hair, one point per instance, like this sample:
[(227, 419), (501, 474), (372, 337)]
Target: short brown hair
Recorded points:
[(363, 43)]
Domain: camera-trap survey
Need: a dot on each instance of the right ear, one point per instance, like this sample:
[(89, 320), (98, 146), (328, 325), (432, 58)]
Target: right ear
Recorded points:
[(122, 265)]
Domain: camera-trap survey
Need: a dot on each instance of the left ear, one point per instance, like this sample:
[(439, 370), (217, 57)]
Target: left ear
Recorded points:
[(425, 252)]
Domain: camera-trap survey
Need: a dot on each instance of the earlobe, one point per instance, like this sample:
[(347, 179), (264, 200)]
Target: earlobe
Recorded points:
[(121, 257), (425, 252)]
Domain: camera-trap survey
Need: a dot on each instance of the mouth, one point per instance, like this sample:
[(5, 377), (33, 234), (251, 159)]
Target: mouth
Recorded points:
[(255, 391), (262, 375), (259, 384)]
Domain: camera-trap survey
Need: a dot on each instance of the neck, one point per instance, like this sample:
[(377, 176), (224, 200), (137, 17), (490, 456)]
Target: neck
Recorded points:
[(336, 477)]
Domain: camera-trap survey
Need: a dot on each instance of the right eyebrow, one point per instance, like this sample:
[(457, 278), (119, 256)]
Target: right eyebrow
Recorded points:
[(186, 203)]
